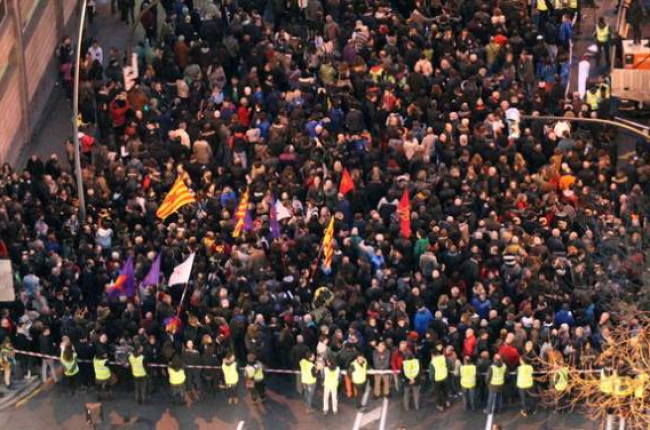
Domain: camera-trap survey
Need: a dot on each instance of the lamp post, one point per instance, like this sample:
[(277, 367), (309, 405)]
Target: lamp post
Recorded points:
[(75, 117)]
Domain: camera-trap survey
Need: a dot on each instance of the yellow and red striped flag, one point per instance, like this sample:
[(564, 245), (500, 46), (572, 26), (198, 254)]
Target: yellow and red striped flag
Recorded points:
[(240, 215), (177, 197), (328, 245)]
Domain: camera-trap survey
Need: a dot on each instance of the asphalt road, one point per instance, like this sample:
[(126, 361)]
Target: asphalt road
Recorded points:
[(52, 408)]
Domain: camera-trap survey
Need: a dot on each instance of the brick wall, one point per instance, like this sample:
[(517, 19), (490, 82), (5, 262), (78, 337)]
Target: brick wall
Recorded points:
[(39, 49), (11, 118), (41, 34)]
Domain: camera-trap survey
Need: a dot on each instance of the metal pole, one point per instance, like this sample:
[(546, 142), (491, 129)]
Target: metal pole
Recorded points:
[(75, 118), (618, 124)]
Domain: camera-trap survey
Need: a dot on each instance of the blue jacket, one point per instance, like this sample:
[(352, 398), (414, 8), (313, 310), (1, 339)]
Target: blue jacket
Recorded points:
[(421, 321)]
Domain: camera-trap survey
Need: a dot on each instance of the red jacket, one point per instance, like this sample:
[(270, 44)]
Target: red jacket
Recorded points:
[(469, 346), (118, 114), (396, 360), (510, 355)]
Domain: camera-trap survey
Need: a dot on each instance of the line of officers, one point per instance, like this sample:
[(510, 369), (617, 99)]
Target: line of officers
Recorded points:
[(182, 381), (446, 385)]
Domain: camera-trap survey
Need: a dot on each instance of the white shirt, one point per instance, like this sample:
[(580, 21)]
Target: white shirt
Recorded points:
[(97, 54)]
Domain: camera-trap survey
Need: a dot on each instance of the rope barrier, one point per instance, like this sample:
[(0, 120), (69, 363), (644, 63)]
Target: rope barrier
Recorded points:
[(277, 371)]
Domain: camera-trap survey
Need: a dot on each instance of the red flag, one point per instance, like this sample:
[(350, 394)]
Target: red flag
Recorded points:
[(347, 184), (404, 212)]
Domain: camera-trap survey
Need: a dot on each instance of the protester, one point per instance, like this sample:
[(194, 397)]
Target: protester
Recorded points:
[(456, 231)]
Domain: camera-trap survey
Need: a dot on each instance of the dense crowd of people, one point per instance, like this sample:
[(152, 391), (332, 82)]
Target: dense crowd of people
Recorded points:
[(522, 232)]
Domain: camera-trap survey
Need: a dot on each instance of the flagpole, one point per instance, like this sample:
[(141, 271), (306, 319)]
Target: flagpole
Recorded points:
[(180, 305), (311, 272)]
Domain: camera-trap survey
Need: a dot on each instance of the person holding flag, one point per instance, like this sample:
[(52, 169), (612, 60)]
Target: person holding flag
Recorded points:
[(404, 213), (124, 285), (177, 197), (153, 277), (242, 218), (328, 246), (347, 184)]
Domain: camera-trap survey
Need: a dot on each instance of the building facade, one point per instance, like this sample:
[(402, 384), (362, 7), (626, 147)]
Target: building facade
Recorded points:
[(30, 31)]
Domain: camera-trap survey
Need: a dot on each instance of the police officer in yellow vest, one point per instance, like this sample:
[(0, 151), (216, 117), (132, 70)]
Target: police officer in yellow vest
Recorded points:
[(542, 13), (177, 379), (439, 373), (607, 381), (593, 98), (561, 385), (411, 375), (231, 377), (70, 365), (102, 375), (641, 385), (468, 383), (495, 379), (603, 37), (359, 372), (308, 377), (254, 372), (331, 378), (525, 385), (623, 386), (139, 373)]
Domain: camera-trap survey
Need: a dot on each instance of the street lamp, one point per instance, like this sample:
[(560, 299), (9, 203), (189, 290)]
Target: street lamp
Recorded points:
[(75, 117)]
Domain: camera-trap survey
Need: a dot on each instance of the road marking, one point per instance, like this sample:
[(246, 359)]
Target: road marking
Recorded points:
[(240, 426), (370, 417), (364, 401), (357, 421), (29, 397), (384, 412), (488, 424)]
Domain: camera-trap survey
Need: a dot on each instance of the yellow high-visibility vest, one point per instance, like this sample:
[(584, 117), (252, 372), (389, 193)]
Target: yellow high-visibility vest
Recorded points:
[(137, 366), (306, 374), (411, 368), (439, 364), (359, 372), (70, 368), (255, 373), (331, 380), (541, 6), (606, 382), (102, 372), (230, 374), (525, 376), (498, 375), (602, 34), (623, 386), (593, 100), (640, 385), (176, 377), (468, 376), (561, 379)]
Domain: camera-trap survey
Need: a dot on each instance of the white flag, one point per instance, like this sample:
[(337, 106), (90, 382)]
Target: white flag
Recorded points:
[(282, 211), (181, 273)]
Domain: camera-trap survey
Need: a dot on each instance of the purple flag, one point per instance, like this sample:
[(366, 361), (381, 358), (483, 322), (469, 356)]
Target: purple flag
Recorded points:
[(275, 225), (153, 277), (124, 285), (248, 221)]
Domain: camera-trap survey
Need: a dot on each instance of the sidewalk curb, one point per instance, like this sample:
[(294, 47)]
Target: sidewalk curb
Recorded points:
[(16, 396)]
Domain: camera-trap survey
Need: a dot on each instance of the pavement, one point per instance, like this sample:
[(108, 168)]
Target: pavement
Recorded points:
[(53, 408), (56, 124)]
